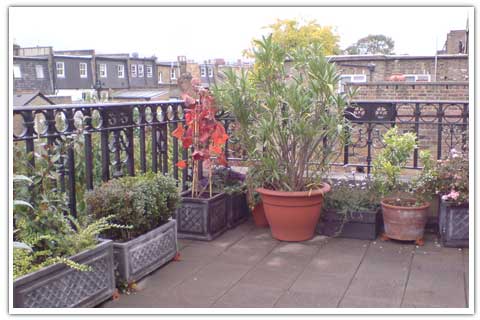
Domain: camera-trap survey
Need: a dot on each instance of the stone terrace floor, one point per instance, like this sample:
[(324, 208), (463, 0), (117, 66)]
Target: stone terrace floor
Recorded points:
[(246, 267)]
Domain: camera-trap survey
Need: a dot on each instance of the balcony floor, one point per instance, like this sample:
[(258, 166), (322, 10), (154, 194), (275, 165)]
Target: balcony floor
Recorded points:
[(246, 267)]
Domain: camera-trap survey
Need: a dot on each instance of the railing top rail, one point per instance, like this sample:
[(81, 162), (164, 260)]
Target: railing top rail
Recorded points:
[(96, 105), (177, 102)]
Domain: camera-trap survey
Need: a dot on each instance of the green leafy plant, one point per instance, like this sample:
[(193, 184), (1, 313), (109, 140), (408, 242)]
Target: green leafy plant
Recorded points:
[(44, 234), (144, 202), (352, 196), (388, 164), (294, 117)]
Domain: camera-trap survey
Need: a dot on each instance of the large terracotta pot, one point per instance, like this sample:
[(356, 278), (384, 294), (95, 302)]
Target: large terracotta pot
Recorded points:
[(259, 218), (293, 216), (404, 223)]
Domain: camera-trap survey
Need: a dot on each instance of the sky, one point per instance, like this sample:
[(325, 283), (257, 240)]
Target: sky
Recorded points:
[(202, 33)]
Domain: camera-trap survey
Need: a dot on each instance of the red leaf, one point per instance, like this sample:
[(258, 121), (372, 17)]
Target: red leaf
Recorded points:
[(188, 100), (178, 133), (182, 164), (216, 149), (187, 142)]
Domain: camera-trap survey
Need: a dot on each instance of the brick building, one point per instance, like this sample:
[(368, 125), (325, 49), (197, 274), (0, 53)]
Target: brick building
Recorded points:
[(441, 77)]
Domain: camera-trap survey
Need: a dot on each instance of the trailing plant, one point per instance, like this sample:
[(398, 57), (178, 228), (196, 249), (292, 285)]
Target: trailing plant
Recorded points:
[(44, 234), (144, 202), (294, 117), (31, 254), (352, 196), (204, 134)]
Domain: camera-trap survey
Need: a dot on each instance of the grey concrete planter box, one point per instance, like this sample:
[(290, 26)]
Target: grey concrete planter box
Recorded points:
[(357, 225), (59, 286), (453, 224), (201, 218), (237, 209), (140, 256)]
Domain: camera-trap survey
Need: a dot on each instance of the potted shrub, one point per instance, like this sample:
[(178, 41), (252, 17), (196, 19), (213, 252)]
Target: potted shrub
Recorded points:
[(404, 213), (203, 212), (233, 184), (58, 260), (296, 121), (146, 202), (351, 211), (452, 185)]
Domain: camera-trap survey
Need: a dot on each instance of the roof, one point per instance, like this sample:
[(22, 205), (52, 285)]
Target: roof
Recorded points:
[(139, 94), (25, 98), (111, 57), (72, 56), (31, 57), (369, 57), (168, 63)]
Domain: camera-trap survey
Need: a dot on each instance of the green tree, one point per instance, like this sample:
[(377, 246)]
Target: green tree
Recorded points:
[(291, 33), (372, 44)]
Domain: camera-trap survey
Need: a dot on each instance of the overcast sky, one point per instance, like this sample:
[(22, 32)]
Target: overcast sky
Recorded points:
[(207, 33)]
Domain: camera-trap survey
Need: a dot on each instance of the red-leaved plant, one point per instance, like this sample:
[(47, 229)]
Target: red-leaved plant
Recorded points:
[(204, 133)]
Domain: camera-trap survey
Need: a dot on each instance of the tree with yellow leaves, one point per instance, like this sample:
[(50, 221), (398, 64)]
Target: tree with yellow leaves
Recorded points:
[(291, 33)]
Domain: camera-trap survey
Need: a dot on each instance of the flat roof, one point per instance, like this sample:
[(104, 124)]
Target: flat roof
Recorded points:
[(139, 94)]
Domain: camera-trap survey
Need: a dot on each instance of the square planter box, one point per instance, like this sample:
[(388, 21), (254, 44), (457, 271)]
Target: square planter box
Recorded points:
[(140, 256), (201, 218), (59, 286), (237, 209), (358, 225), (453, 224)]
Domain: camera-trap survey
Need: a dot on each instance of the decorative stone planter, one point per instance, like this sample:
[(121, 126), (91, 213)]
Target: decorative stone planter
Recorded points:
[(201, 218), (363, 225), (140, 256), (59, 286), (237, 209), (453, 224)]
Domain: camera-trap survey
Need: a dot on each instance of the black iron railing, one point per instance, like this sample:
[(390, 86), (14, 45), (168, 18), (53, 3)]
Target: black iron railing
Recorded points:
[(116, 139)]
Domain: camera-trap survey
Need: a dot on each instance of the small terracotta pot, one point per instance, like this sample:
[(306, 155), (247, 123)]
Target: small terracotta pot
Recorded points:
[(259, 216), (293, 216), (404, 223)]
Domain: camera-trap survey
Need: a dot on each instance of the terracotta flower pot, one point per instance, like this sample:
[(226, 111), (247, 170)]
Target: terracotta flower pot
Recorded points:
[(259, 216), (404, 223), (293, 216)]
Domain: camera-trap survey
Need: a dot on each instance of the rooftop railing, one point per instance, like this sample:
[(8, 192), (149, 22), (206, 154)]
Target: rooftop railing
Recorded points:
[(108, 140)]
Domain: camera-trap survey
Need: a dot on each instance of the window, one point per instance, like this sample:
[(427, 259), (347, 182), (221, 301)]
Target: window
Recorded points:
[(173, 75), (149, 71), (83, 70), (121, 71), (102, 70), (133, 68), (39, 71), (210, 72), (140, 70), (417, 77), (16, 71), (203, 71), (351, 78), (60, 67), (160, 77)]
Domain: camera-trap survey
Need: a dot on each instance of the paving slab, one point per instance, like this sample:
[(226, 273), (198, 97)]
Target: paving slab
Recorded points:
[(249, 296), (295, 299), (436, 280), (382, 276), (246, 267), (466, 268)]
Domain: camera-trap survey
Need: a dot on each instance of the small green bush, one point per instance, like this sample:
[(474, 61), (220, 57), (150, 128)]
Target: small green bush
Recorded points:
[(144, 202)]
